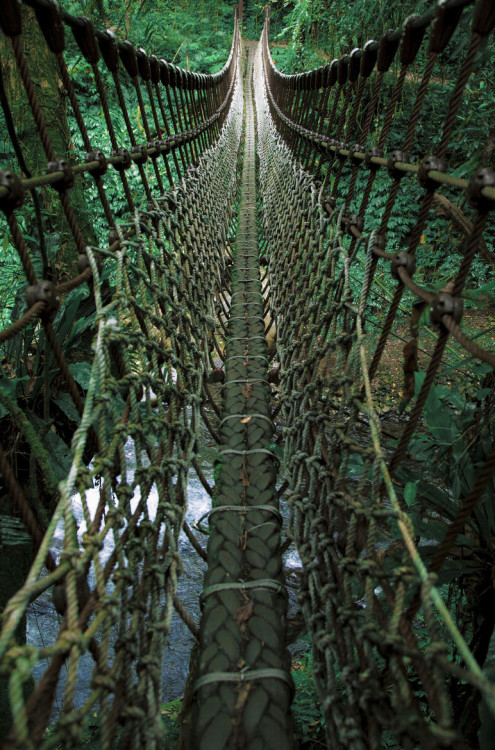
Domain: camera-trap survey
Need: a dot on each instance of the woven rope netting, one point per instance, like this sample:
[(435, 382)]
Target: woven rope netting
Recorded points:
[(111, 552), (375, 527), (389, 484)]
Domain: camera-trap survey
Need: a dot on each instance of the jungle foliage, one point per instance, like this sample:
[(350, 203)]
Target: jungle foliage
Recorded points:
[(451, 446), (458, 426)]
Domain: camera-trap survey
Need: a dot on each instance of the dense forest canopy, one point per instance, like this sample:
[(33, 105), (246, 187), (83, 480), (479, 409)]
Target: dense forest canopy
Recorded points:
[(304, 34), (197, 36)]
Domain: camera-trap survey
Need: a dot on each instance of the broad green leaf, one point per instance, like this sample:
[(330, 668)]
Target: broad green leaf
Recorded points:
[(81, 372), (487, 729), (65, 403), (410, 493)]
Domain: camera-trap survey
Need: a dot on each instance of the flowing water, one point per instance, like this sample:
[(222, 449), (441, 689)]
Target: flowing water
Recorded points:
[(44, 622)]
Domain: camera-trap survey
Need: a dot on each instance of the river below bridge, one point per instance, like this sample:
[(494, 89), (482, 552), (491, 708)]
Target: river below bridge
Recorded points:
[(43, 621)]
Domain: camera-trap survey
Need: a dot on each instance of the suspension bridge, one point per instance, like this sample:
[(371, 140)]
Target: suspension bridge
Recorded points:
[(247, 286)]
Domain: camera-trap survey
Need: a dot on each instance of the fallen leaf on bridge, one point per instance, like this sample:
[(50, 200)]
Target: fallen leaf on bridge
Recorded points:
[(245, 612)]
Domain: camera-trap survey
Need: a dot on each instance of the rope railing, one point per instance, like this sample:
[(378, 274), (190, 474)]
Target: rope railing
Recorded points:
[(389, 544), (95, 453), (114, 361)]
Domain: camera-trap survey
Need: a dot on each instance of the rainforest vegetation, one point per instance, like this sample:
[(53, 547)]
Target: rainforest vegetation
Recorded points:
[(197, 36), (304, 34)]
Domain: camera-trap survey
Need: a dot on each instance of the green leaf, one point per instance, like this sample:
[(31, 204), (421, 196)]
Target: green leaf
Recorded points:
[(9, 387), (355, 466), (483, 369), (81, 372), (58, 452), (410, 493), (276, 449), (424, 318), (419, 378), (65, 403), (482, 393), (487, 729)]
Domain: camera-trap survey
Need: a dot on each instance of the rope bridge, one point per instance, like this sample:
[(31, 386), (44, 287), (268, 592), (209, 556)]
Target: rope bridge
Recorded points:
[(257, 207)]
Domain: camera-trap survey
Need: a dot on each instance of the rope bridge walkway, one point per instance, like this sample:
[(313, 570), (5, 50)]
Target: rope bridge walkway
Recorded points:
[(257, 208)]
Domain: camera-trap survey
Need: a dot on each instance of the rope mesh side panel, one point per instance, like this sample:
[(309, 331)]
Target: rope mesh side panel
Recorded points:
[(113, 571), (390, 663)]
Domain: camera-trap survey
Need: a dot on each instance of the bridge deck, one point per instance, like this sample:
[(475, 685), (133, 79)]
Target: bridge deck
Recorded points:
[(104, 382), (244, 684)]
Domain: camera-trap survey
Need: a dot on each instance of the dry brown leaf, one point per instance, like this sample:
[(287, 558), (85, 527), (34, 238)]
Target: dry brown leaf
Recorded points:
[(244, 612), (244, 477), (243, 474), (246, 390)]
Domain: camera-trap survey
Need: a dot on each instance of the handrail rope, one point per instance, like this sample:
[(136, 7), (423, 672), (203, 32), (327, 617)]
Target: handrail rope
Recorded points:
[(156, 333), (309, 137), (150, 259), (427, 176)]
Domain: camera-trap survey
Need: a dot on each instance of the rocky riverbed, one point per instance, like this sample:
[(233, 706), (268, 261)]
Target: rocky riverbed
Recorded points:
[(44, 622)]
